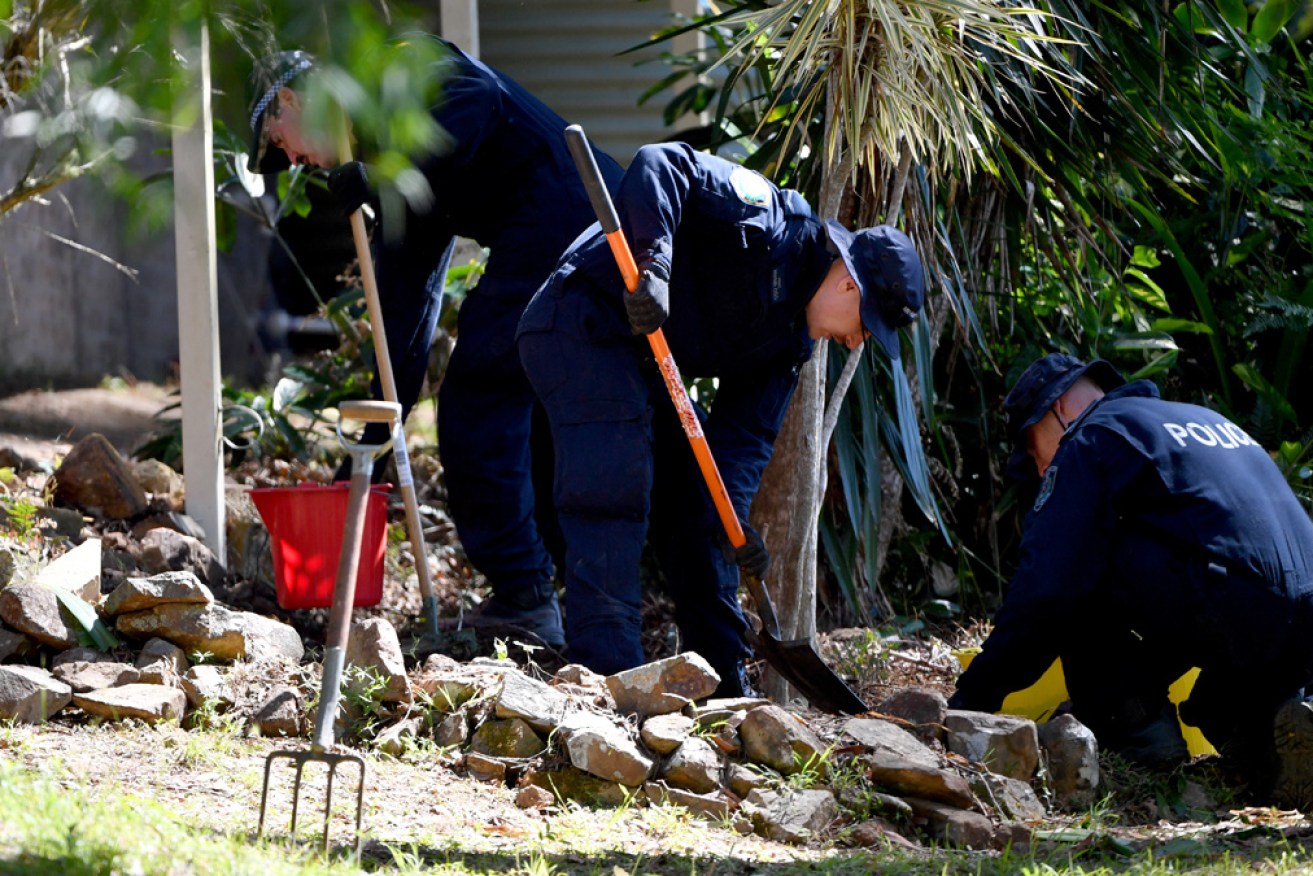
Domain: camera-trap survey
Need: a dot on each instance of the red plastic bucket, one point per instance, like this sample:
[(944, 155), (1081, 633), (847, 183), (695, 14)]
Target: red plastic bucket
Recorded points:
[(305, 526)]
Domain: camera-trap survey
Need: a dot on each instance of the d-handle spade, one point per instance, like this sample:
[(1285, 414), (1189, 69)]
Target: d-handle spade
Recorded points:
[(796, 660), (339, 624)]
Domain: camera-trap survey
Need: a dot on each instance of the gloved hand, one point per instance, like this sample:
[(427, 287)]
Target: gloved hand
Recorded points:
[(649, 305), (753, 558), (350, 185)]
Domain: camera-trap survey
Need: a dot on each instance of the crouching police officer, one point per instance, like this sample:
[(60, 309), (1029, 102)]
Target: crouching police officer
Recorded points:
[(1163, 538), (503, 177), (743, 277)]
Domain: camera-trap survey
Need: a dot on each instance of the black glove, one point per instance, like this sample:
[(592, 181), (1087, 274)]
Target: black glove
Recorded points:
[(753, 558), (649, 305), (350, 185)]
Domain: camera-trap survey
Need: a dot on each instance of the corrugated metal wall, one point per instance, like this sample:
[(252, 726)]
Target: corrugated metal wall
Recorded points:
[(567, 52)]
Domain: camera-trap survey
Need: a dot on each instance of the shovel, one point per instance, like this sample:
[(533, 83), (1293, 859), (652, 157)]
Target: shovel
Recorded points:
[(339, 625), (795, 659)]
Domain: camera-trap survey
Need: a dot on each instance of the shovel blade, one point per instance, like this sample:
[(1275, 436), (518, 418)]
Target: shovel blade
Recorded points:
[(803, 668)]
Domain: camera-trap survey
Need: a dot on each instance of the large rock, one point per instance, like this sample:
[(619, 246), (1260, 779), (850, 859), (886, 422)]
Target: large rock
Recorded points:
[(84, 676), (282, 714), (14, 644), (574, 784), (216, 630), (373, 645), (599, 747), (664, 733), (791, 816), (94, 478), (1073, 756), (663, 686), (153, 703), (164, 550), (207, 684), (508, 738), (887, 742), (35, 611), (1006, 744), (143, 594), (162, 662), (1012, 799), (539, 705), (715, 806), (922, 708), (77, 571), (957, 827), (156, 477), (249, 553), (31, 695), (777, 739), (695, 766), (907, 778)]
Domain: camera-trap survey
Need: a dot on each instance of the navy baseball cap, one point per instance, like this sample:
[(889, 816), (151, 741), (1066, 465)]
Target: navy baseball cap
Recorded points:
[(269, 75), (1039, 387), (888, 272)]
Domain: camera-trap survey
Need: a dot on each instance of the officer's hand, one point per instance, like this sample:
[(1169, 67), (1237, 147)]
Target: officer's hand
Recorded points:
[(753, 558), (350, 185), (649, 304)]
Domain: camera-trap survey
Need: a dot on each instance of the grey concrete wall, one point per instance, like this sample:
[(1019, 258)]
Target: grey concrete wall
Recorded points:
[(69, 318)]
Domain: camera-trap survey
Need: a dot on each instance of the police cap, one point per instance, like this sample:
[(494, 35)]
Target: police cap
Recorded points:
[(1040, 386), (888, 272), (269, 75)]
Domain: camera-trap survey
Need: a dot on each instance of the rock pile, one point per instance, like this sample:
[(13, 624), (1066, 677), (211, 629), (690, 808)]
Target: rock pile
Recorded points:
[(165, 649)]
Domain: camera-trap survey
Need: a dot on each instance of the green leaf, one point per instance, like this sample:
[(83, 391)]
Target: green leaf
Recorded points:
[(1172, 324), (6, 9), (86, 616), (1233, 12), (1251, 377), (1269, 20)]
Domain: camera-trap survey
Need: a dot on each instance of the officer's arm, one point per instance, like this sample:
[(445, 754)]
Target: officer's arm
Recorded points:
[(745, 418), (1064, 557), (469, 108), (661, 180)]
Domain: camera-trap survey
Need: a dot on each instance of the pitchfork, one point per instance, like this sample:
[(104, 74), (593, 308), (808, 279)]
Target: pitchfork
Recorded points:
[(339, 623)]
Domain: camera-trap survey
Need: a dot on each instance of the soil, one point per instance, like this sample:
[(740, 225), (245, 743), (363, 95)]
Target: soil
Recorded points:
[(427, 804)]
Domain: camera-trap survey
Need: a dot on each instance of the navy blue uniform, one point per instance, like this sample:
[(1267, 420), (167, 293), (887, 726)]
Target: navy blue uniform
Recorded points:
[(507, 181), (744, 258), (1163, 537)]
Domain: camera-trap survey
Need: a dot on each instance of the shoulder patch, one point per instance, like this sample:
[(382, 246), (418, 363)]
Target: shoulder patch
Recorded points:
[(1046, 487), (751, 187)]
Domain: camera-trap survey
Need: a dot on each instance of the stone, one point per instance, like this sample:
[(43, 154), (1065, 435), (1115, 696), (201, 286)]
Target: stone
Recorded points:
[(373, 644), (1006, 744), (777, 739), (664, 733), (281, 714), (66, 522), (506, 738), (164, 550), (156, 477), (957, 827), (1073, 760), (878, 833), (715, 806), (663, 686), (396, 738), (250, 554), (860, 802), (574, 784), (922, 708), (743, 780), (1014, 837), (162, 662), (77, 571), (534, 797), (886, 741), (207, 684), (35, 611), (8, 565), (796, 817), (485, 768), (1012, 799), (143, 594), (695, 766), (906, 778), (30, 695), (94, 478), (14, 644), (81, 654), (604, 750), (541, 706), (153, 703), (83, 677), (579, 675), (216, 630), (451, 730)]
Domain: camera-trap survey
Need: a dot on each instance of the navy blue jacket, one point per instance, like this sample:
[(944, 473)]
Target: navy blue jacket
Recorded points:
[(743, 257), (1163, 478)]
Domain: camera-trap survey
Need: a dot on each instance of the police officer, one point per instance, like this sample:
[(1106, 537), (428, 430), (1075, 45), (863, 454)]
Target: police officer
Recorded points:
[(1163, 537), (505, 179), (742, 276)]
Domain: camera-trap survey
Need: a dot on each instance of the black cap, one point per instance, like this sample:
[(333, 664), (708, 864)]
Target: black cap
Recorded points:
[(1039, 387), (888, 272), (269, 75)]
